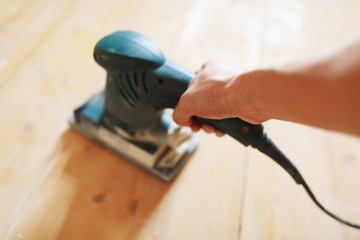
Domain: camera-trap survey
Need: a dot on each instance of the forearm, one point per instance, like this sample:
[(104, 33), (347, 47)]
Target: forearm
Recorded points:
[(322, 92)]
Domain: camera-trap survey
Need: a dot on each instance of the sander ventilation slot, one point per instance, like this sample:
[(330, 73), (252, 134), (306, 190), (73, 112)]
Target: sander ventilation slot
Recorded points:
[(130, 90)]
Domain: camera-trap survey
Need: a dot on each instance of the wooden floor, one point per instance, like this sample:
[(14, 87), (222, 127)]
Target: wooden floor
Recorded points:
[(56, 184)]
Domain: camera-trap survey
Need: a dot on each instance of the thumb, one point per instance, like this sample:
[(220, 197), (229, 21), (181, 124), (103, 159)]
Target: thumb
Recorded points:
[(180, 117)]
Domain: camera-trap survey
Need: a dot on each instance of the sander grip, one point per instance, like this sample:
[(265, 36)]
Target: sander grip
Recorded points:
[(244, 132)]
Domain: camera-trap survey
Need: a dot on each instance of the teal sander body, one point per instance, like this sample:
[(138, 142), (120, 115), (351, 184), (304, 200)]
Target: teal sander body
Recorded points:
[(133, 115)]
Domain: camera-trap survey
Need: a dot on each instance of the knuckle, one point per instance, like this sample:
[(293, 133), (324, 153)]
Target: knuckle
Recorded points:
[(203, 66), (207, 63), (211, 61)]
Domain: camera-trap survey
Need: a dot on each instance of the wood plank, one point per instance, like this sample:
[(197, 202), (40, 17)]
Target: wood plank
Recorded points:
[(345, 167), (18, 122), (23, 27), (11, 10)]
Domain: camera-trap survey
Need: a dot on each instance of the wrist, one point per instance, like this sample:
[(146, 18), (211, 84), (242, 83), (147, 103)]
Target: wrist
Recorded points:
[(255, 95)]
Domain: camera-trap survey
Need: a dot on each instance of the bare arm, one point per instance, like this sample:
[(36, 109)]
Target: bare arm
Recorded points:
[(322, 91)]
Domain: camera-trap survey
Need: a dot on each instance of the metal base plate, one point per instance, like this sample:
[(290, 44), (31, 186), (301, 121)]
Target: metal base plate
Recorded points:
[(126, 149)]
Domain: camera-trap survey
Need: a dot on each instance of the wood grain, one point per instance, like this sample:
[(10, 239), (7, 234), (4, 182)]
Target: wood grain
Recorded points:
[(56, 184)]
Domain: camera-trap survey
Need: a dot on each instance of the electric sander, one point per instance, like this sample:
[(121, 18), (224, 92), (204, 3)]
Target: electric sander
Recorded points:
[(133, 115)]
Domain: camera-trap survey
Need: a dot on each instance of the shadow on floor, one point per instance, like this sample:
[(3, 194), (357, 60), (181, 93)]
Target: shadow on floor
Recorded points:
[(112, 198)]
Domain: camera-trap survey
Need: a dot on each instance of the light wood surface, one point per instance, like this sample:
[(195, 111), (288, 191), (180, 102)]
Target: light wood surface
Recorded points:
[(56, 184)]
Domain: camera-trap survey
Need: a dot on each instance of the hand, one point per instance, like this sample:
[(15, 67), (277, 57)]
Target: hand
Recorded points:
[(206, 97)]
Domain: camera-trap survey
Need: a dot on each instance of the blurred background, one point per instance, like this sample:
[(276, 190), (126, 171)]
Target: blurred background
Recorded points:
[(49, 175)]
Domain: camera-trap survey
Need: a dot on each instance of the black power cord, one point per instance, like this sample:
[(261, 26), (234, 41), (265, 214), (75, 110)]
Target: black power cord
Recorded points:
[(267, 147)]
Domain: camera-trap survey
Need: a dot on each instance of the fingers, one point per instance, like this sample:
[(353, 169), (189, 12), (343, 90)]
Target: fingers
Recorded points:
[(194, 125), (219, 133), (181, 117), (210, 129)]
